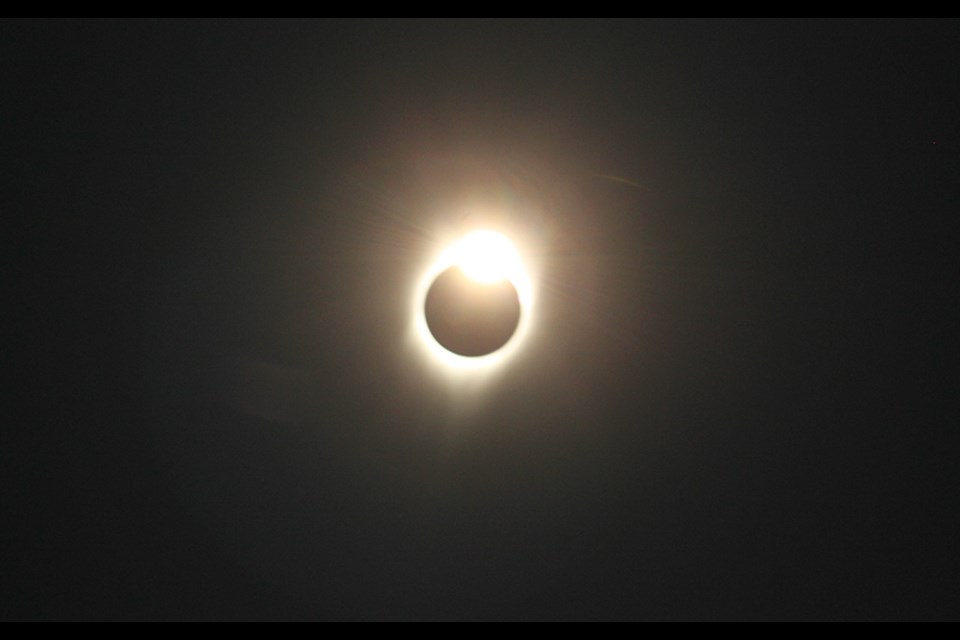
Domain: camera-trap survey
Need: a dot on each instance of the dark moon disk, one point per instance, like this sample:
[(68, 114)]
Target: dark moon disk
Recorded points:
[(471, 318)]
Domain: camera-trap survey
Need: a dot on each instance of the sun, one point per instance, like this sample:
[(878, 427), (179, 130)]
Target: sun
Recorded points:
[(487, 258)]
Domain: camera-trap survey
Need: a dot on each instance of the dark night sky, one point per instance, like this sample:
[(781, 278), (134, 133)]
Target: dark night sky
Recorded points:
[(739, 399)]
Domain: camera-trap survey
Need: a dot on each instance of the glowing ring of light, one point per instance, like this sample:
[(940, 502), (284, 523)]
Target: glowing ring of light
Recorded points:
[(486, 256)]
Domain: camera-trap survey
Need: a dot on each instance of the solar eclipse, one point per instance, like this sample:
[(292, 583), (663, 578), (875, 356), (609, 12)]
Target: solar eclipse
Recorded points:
[(474, 304)]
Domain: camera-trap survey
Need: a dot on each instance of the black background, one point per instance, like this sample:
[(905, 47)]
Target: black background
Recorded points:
[(739, 401)]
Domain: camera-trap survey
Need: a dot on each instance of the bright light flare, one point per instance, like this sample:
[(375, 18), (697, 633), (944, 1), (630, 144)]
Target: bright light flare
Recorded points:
[(487, 257)]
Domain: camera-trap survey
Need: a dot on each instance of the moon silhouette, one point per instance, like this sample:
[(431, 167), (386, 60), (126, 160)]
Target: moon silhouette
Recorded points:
[(468, 317)]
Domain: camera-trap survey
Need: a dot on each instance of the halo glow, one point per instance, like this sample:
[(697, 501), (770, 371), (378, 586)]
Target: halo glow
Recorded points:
[(485, 256)]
